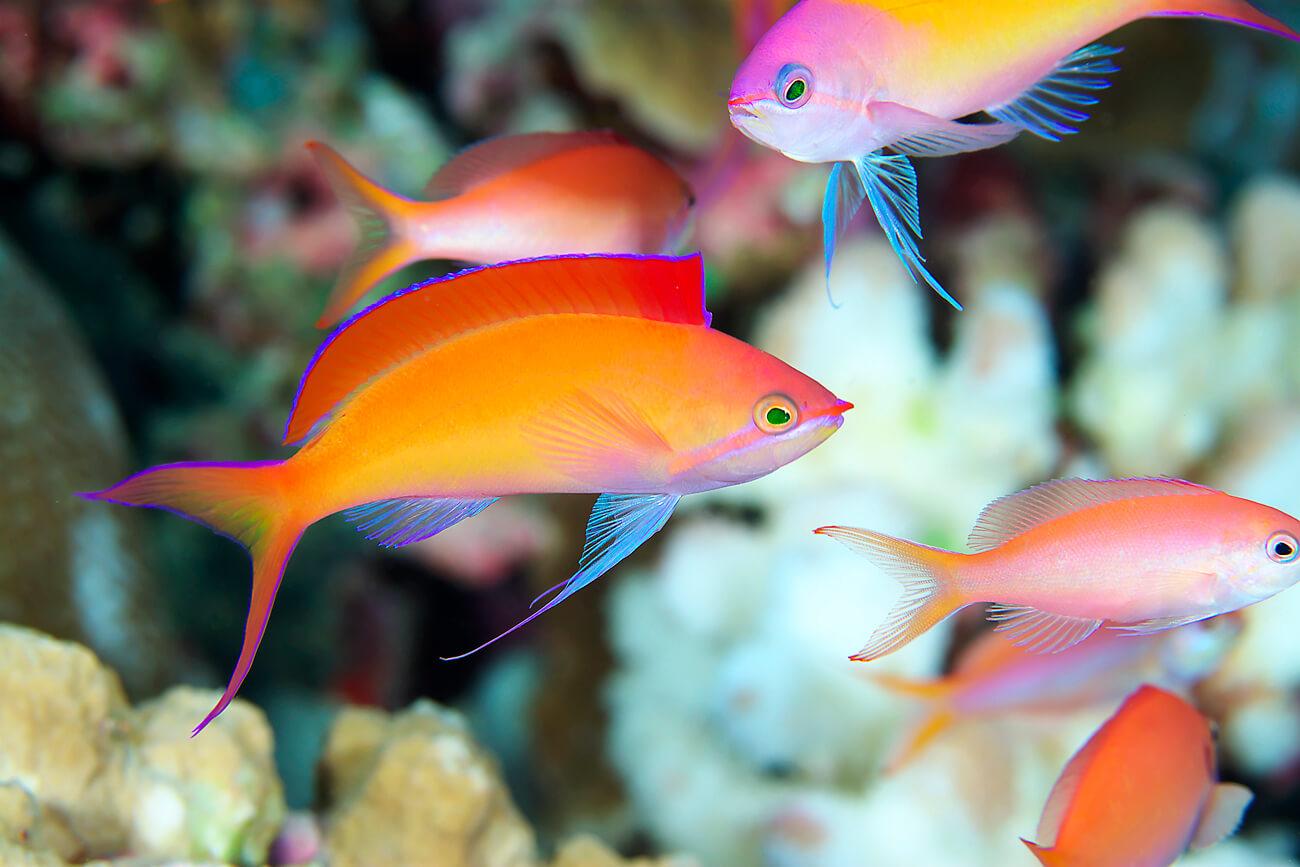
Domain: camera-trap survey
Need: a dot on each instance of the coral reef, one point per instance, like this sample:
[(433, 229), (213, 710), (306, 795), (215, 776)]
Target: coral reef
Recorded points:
[(66, 567), (86, 776)]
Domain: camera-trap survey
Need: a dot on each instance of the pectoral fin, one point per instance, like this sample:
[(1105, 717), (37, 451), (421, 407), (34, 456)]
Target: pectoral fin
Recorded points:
[(603, 440), (619, 524), (924, 135)]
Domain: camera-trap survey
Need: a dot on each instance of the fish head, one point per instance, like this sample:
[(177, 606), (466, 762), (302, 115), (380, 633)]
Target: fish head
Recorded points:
[(1263, 548), (764, 414), (803, 90)]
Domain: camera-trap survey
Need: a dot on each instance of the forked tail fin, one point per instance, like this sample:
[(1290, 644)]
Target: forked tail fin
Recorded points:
[(1229, 11), (936, 719), (381, 249), (241, 501), (929, 586)]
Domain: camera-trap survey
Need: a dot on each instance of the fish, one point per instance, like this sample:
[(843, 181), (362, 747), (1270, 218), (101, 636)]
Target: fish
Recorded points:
[(994, 678), (867, 85), (1141, 792), (509, 198), (1061, 559), (572, 374)]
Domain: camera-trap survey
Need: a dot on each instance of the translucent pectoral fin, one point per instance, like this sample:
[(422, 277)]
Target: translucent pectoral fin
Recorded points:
[(924, 135), (1039, 631), (619, 524), (889, 182), (601, 439), (394, 523), (1158, 624), (1051, 108)]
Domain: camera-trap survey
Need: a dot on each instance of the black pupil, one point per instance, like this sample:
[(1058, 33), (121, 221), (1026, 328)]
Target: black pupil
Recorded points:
[(795, 90), (1283, 549)]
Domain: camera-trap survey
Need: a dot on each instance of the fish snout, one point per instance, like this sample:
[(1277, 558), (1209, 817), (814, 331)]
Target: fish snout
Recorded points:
[(742, 106)]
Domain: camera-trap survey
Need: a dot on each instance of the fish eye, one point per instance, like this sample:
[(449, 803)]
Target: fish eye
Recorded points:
[(1282, 547), (775, 414), (794, 85)]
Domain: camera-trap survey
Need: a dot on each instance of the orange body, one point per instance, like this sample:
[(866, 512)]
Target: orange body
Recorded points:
[(1140, 792), (510, 198)]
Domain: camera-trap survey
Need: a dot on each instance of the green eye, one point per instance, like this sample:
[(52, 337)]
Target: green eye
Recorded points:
[(775, 414), (796, 90)]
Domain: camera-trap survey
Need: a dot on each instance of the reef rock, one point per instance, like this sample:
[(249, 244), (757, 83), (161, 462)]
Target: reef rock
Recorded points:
[(59, 725), (86, 776), (584, 851), (67, 567), (215, 796), (415, 783)]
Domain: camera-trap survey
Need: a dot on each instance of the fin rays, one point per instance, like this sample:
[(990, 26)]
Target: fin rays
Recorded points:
[(1051, 108)]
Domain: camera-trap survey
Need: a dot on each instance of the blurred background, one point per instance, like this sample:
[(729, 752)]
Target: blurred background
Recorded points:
[(166, 243)]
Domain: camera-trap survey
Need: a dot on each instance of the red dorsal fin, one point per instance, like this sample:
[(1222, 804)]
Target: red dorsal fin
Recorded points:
[(1012, 515), (416, 320), (490, 159)]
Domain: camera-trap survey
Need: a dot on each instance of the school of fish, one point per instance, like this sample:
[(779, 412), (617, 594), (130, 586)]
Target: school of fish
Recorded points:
[(581, 360)]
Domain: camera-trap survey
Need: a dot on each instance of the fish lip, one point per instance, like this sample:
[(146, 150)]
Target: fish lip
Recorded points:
[(742, 105), (836, 410)]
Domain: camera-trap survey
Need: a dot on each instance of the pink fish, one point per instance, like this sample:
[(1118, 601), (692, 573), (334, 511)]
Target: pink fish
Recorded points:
[(840, 81), (994, 677), (1063, 558)]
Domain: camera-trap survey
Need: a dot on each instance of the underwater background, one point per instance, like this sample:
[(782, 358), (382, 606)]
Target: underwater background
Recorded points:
[(166, 245)]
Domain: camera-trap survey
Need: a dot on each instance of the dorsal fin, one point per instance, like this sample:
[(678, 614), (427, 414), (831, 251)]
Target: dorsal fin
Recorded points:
[(1012, 515), (415, 320), (480, 163)]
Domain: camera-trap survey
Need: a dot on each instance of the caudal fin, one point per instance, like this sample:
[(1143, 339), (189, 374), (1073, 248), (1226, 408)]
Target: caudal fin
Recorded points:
[(937, 719), (929, 586), (1229, 11), (1046, 855), (242, 501), (381, 249)]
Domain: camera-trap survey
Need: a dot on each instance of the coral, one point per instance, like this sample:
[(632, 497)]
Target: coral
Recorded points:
[(89, 776), (214, 797), (415, 783), (66, 567), (584, 851), (60, 727)]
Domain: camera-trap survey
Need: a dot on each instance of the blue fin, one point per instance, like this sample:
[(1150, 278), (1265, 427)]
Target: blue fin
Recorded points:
[(394, 523), (1051, 107), (844, 197), (619, 524), (890, 184)]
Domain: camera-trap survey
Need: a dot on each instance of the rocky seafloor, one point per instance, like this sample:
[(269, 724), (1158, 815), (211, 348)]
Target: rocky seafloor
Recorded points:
[(87, 778)]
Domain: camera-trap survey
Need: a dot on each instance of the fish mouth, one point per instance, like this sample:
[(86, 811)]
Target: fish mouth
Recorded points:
[(742, 106), (835, 411)]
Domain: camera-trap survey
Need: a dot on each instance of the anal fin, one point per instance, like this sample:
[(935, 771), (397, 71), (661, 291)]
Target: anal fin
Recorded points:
[(1052, 107), (394, 523), (1040, 631)]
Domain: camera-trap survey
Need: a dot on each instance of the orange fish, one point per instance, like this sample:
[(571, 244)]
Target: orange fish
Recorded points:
[(578, 374), (994, 677), (508, 198), (1140, 792), (1061, 559)]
